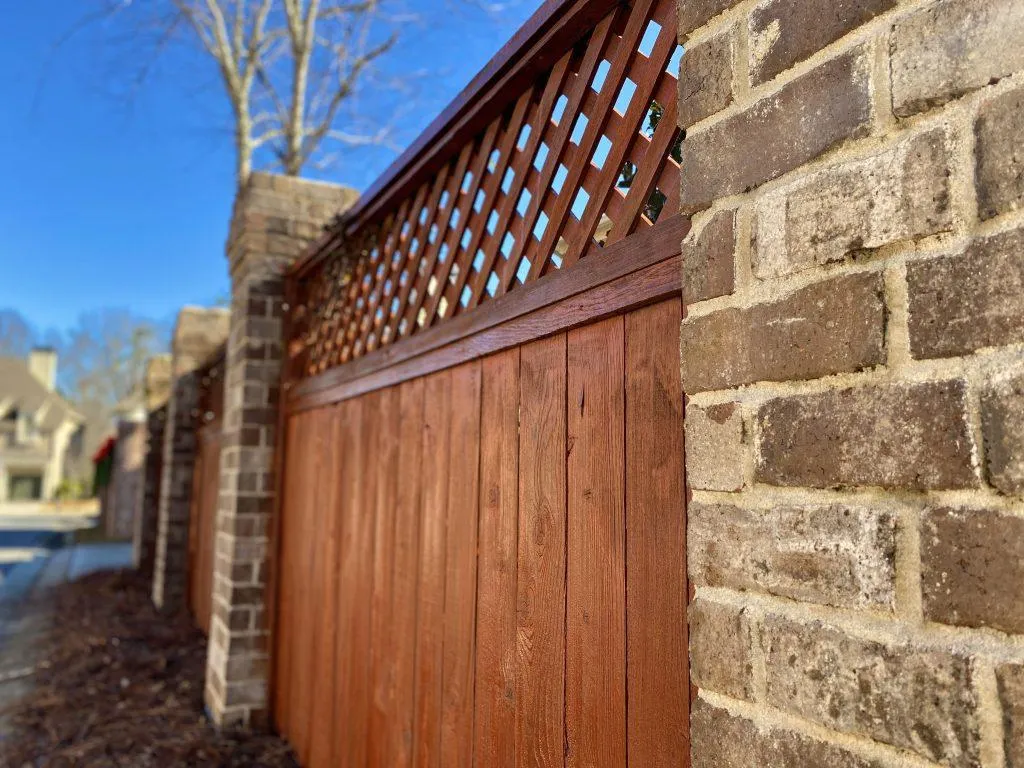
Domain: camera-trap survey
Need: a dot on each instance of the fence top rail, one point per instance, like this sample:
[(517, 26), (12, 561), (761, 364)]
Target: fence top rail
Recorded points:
[(552, 28), (565, 144)]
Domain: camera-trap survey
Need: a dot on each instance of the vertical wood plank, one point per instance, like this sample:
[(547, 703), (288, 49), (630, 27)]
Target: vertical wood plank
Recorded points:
[(325, 590), (596, 604), (430, 627), (460, 567), (302, 552), (658, 725), (285, 614), (406, 574), (495, 698), (360, 638), (350, 470), (302, 645), (385, 464), (540, 601)]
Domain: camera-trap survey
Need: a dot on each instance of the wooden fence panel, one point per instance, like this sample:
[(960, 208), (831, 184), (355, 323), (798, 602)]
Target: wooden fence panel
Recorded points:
[(481, 567)]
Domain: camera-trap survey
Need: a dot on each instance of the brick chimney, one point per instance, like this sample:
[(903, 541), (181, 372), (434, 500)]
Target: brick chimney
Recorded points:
[(42, 363)]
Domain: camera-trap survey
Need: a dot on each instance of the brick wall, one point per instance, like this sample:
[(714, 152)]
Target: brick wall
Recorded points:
[(275, 219), (157, 384), (125, 479), (197, 336), (854, 360)]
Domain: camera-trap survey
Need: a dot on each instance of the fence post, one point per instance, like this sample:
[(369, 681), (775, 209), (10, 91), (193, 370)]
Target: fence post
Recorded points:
[(197, 335), (274, 219), (157, 385)]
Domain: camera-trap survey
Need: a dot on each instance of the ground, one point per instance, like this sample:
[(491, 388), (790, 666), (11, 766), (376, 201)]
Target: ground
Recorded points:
[(114, 682)]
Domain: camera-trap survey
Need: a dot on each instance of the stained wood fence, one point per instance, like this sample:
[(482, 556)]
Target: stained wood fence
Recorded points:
[(480, 540), (485, 566)]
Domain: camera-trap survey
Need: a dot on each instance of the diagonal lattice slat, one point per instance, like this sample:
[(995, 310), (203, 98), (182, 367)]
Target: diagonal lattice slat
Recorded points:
[(585, 155)]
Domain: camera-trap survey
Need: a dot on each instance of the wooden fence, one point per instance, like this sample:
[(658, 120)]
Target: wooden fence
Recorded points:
[(202, 532), (481, 534)]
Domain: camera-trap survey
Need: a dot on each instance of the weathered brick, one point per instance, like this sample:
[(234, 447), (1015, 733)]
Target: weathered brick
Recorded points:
[(273, 219), (697, 13), (707, 255), (898, 194), (917, 699), (720, 648), (783, 32), (999, 173), (912, 436), (1010, 678), (829, 327), (723, 740), (1002, 423), (952, 47), (780, 132), (966, 301), (972, 568), (842, 555), (705, 79), (715, 447)]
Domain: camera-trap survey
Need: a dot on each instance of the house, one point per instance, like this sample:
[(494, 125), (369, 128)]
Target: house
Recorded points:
[(36, 427)]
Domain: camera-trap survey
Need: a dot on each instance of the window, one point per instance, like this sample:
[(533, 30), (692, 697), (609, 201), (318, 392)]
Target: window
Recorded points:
[(25, 486)]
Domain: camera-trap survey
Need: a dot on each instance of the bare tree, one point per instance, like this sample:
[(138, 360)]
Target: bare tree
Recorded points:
[(288, 67)]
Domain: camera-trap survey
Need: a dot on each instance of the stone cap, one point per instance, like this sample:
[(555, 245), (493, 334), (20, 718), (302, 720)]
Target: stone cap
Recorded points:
[(157, 381), (198, 332), (280, 214)]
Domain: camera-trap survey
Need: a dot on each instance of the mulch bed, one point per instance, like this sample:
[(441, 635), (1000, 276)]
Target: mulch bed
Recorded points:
[(120, 684)]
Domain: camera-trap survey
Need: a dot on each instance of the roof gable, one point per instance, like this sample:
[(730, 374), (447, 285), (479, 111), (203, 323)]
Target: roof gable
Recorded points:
[(21, 391)]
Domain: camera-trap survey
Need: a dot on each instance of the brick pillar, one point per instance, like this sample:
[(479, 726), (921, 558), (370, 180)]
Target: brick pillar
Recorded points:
[(274, 219), (852, 354), (197, 335), (126, 476), (157, 387)]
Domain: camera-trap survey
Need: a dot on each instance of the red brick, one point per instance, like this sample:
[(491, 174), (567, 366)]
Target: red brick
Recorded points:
[(708, 261), (912, 436), (972, 568), (782, 131), (705, 79), (952, 47), (785, 32), (967, 301), (829, 327), (697, 13), (999, 173)]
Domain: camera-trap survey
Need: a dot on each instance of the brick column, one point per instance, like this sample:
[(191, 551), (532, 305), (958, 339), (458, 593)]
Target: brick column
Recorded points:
[(157, 386), (852, 354), (274, 219), (126, 476), (197, 335)]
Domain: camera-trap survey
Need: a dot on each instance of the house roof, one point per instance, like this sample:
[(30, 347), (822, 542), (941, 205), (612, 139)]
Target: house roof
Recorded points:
[(20, 390)]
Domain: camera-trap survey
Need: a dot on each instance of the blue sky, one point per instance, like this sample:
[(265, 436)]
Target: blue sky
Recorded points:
[(106, 203)]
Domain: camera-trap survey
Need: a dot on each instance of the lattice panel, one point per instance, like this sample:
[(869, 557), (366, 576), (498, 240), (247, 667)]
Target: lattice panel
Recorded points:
[(584, 157)]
